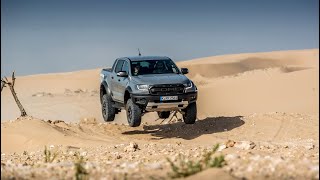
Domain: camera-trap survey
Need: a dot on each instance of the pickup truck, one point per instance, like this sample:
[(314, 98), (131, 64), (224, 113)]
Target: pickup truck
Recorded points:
[(144, 84)]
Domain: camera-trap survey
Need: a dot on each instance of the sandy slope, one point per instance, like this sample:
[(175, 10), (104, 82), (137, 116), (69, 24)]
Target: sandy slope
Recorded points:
[(269, 98)]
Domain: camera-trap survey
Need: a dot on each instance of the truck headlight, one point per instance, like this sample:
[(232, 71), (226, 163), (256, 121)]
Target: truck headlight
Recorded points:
[(188, 85), (142, 87)]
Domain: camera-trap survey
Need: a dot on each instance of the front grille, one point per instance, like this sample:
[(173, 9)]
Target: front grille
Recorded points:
[(167, 89)]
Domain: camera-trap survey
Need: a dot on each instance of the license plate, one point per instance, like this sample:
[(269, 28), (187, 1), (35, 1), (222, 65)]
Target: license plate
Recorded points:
[(168, 98)]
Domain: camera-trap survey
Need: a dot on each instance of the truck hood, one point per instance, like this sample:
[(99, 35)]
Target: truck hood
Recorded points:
[(153, 79)]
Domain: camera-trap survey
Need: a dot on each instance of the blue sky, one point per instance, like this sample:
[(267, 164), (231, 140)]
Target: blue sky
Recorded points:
[(45, 36)]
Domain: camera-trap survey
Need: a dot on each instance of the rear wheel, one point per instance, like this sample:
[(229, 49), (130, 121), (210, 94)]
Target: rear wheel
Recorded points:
[(108, 112), (133, 114), (164, 114), (190, 114)]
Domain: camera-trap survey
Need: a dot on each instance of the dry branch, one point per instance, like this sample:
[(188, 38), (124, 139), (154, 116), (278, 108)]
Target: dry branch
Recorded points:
[(2, 85), (13, 78), (14, 94)]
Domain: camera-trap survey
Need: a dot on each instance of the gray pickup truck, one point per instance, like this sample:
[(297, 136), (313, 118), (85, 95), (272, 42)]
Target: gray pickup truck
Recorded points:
[(144, 84)]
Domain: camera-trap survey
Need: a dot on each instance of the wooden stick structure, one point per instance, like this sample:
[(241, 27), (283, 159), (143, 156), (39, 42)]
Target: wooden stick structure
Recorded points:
[(2, 85), (174, 114), (5, 82)]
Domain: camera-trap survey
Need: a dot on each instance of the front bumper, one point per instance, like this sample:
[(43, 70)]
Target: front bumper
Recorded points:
[(153, 103)]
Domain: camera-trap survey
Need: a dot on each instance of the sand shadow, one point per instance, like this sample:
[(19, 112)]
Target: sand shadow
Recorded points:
[(190, 131), (293, 69), (216, 70)]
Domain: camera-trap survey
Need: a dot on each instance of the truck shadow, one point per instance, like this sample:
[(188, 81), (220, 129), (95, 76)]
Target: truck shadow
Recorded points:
[(190, 131)]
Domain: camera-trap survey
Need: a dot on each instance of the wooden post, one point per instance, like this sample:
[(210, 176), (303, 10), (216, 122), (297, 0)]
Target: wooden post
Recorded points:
[(14, 94)]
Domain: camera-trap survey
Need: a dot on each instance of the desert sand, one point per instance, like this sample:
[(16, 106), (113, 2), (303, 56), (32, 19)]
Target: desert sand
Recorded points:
[(267, 104)]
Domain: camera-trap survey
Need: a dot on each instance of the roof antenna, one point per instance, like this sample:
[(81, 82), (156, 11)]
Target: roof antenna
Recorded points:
[(139, 52)]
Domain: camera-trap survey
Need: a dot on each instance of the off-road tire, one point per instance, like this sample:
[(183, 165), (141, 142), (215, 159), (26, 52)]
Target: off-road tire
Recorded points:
[(190, 114), (108, 112), (133, 114), (164, 114)]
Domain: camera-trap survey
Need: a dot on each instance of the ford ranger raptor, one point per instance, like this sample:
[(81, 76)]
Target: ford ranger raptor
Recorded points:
[(144, 84)]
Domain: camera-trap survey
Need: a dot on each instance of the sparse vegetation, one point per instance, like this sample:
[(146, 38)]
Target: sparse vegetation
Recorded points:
[(209, 161), (80, 172), (49, 156), (25, 152), (187, 167)]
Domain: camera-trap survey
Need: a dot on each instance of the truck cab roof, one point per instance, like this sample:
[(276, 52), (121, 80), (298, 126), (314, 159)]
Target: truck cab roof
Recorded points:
[(142, 58)]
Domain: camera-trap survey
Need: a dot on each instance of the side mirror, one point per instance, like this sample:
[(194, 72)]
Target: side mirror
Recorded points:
[(122, 74), (184, 70)]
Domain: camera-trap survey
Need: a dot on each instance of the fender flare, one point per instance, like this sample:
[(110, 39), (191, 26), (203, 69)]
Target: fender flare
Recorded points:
[(126, 95), (129, 89), (105, 87)]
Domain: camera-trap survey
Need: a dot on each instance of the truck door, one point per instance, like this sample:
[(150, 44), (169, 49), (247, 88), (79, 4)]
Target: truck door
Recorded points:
[(123, 81), (114, 81)]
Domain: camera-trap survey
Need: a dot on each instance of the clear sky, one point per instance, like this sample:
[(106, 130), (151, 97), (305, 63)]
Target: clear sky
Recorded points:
[(45, 36)]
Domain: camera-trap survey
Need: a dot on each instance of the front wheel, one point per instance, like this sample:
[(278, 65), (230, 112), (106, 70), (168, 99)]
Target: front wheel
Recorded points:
[(133, 114), (190, 114), (108, 112)]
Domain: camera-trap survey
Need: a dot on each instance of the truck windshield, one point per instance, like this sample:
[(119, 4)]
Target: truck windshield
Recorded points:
[(153, 67)]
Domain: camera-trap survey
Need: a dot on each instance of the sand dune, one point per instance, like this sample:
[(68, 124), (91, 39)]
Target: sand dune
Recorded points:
[(269, 98), (284, 81)]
